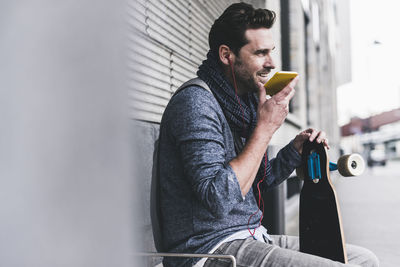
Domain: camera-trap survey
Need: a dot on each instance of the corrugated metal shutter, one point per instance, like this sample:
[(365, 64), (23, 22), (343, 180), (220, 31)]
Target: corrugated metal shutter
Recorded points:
[(169, 39)]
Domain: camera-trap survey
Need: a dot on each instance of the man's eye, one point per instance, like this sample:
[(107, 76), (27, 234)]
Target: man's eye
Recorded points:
[(262, 53)]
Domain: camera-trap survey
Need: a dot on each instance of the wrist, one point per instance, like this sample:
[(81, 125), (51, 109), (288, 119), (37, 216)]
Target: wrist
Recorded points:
[(266, 127), (264, 131), (298, 147)]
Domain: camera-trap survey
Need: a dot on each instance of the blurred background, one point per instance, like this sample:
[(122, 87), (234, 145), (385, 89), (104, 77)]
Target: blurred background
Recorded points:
[(83, 87), (66, 185)]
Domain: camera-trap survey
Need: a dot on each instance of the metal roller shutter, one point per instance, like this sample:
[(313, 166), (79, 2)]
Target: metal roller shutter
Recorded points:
[(168, 41)]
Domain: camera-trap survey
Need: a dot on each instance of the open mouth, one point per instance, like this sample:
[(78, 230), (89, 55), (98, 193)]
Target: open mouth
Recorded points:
[(263, 76)]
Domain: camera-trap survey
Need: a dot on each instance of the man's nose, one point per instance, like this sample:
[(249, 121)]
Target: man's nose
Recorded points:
[(269, 63)]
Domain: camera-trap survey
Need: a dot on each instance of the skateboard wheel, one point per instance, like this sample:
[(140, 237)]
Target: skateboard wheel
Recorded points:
[(300, 173), (351, 165)]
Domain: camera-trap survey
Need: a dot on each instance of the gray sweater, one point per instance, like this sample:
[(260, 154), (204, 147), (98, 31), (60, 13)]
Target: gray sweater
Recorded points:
[(200, 197)]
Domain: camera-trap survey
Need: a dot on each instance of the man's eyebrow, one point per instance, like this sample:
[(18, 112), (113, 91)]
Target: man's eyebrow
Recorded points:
[(266, 50)]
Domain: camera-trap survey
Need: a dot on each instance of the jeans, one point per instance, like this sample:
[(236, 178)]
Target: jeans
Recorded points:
[(283, 251)]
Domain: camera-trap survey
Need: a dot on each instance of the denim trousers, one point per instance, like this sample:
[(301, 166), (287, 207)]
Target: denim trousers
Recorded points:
[(283, 251)]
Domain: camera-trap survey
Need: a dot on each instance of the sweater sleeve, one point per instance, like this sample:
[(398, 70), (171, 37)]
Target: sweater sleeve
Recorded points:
[(280, 167), (197, 130)]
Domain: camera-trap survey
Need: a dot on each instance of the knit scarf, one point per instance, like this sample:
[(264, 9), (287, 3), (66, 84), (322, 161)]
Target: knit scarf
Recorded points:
[(242, 118)]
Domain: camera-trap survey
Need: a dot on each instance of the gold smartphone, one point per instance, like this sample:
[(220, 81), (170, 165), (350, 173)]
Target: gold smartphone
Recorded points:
[(279, 81)]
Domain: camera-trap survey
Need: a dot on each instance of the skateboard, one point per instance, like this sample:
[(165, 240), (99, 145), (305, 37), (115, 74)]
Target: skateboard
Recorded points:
[(321, 232)]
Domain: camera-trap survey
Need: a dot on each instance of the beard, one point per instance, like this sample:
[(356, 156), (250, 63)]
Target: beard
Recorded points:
[(245, 80)]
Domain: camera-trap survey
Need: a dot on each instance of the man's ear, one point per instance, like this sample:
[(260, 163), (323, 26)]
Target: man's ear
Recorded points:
[(225, 55)]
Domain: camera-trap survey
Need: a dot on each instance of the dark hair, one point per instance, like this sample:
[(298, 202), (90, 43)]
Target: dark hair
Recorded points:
[(229, 29)]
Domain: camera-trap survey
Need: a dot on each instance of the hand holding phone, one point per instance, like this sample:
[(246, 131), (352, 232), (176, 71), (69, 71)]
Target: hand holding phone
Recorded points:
[(279, 81)]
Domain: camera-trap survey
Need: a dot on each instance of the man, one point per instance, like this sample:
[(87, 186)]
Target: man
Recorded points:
[(213, 153)]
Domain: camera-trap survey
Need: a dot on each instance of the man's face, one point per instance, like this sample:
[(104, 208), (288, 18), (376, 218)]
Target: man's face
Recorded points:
[(254, 61)]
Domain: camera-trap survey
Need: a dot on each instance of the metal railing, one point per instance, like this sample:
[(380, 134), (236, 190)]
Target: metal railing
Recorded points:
[(188, 255)]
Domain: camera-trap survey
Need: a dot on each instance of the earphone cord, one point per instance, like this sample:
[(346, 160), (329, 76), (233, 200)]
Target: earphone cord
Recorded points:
[(236, 94), (260, 199)]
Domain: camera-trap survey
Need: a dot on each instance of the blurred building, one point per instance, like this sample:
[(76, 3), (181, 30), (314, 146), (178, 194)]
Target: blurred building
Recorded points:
[(370, 124), (365, 135), (169, 40)]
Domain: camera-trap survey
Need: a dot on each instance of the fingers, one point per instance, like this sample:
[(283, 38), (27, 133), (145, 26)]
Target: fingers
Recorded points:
[(326, 143), (311, 135), (294, 81), (284, 95), (290, 95), (304, 135), (288, 92), (284, 98), (314, 133), (309, 130), (320, 136)]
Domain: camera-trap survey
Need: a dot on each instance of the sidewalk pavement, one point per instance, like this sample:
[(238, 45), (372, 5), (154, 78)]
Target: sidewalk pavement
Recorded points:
[(370, 208)]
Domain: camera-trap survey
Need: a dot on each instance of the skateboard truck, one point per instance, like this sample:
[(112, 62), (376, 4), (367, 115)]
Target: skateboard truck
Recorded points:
[(349, 166), (314, 167), (333, 166)]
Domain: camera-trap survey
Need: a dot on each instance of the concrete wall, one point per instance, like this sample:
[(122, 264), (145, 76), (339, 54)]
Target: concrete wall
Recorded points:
[(66, 188)]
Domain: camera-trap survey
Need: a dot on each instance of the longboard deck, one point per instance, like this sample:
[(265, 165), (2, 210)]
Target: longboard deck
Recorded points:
[(320, 222)]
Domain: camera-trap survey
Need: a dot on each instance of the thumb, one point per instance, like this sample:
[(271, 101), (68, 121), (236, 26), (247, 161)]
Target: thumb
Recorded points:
[(262, 94)]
